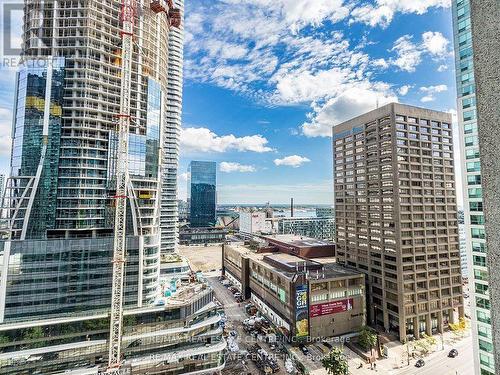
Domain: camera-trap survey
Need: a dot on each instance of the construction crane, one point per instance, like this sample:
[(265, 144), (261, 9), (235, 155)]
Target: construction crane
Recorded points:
[(128, 13)]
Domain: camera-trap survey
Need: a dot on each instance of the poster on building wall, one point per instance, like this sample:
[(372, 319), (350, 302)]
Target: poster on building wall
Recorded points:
[(331, 307), (301, 311)]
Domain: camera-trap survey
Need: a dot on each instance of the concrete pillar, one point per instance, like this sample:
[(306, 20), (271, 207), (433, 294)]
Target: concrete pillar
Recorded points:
[(452, 316), (386, 321), (416, 327), (461, 312), (486, 39), (402, 330), (440, 321), (428, 324)]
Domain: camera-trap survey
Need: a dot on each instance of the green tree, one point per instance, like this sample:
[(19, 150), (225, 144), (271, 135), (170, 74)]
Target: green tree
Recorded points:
[(32, 334), (367, 338), (4, 339), (335, 362), (460, 327)]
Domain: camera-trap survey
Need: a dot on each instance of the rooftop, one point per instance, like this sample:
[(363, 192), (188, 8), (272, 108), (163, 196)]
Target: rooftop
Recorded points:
[(298, 241), (289, 265)]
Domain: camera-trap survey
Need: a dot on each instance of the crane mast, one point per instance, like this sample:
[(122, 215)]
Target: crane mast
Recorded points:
[(128, 13)]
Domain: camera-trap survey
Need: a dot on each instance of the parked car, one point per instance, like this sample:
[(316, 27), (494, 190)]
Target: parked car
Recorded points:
[(327, 344), (453, 353), (420, 363), (303, 349)]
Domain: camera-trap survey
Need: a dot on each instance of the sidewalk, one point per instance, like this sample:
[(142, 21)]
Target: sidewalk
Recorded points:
[(397, 362)]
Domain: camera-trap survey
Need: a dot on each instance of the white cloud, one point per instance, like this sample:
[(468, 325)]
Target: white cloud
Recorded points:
[(435, 43), (442, 68), (408, 55), (382, 12), (294, 161), (5, 131), (298, 14), (381, 63), (403, 90), (351, 103), (278, 63), (430, 92), (183, 177), (204, 140), (229, 167)]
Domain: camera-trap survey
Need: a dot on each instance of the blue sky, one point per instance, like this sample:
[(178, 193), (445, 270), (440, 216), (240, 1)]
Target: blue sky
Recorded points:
[(265, 80)]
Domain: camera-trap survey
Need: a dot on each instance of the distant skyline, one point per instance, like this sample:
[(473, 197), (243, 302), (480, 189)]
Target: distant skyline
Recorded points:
[(266, 79)]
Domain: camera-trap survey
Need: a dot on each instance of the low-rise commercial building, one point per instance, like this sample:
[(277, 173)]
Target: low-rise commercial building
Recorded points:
[(315, 227), (259, 222), (296, 283), (202, 236)]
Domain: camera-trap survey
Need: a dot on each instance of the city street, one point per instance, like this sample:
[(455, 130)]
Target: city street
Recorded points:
[(235, 314), (438, 363)]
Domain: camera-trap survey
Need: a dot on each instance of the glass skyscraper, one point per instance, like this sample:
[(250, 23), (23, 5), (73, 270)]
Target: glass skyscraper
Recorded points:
[(473, 194), (202, 193), (59, 196)]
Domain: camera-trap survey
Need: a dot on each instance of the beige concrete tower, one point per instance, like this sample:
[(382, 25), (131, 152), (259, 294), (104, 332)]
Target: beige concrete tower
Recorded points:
[(396, 216)]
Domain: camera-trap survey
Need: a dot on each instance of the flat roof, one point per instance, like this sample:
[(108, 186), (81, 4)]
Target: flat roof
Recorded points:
[(298, 241), (285, 264), (289, 262)]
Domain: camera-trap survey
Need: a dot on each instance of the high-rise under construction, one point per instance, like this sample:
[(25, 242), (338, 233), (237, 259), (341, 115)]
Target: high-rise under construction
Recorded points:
[(61, 196)]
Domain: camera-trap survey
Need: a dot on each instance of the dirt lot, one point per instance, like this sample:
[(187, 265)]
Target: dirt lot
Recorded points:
[(203, 258)]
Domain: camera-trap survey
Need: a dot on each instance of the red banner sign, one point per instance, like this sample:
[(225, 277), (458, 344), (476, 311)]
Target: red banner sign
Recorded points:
[(331, 307)]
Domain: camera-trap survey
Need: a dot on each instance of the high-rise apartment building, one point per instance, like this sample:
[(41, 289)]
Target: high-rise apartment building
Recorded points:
[(56, 264), (396, 216), (202, 193), (473, 190), (169, 208)]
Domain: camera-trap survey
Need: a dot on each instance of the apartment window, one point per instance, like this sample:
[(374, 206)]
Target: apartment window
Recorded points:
[(470, 128), (483, 317), (481, 289), (477, 219), (476, 206), (471, 140), (479, 260), (474, 180), (469, 115), (478, 247), (482, 303), (485, 346), (475, 193), (487, 361), (472, 153), (484, 331), (481, 275)]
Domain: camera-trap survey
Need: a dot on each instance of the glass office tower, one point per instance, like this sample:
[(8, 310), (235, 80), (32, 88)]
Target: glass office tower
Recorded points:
[(473, 197), (202, 191)]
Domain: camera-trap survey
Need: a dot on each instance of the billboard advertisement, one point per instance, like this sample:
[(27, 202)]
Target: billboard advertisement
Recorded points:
[(301, 311), (331, 307)]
